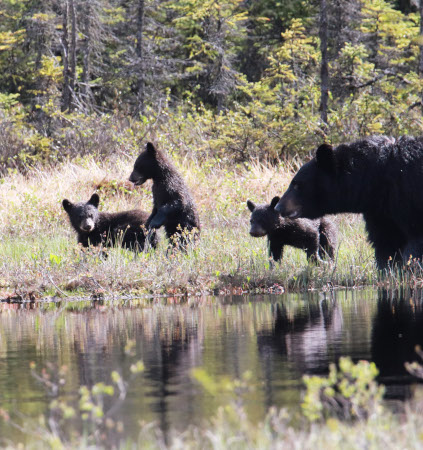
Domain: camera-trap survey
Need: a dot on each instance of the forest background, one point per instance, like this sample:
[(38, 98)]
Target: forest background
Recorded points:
[(227, 79), (239, 93)]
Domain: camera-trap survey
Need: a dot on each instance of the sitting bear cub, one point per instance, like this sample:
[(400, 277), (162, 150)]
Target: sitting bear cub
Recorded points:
[(317, 237), (108, 229)]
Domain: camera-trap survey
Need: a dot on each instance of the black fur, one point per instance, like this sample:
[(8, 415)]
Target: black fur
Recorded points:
[(108, 229), (317, 237), (413, 250), (380, 177), (173, 206)]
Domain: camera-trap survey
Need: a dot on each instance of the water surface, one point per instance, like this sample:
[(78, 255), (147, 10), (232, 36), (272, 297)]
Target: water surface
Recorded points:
[(279, 338)]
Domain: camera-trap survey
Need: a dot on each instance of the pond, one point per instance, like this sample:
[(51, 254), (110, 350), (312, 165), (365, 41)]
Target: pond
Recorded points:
[(279, 338)]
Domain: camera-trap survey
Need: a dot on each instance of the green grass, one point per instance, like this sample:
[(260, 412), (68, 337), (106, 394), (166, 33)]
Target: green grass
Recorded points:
[(39, 255), (226, 259)]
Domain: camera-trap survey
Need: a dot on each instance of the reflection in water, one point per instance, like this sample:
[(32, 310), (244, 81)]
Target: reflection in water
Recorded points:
[(397, 329), (277, 338), (307, 338)]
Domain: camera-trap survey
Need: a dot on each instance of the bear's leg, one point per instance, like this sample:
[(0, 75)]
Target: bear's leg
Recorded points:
[(387, 240), (326, 250), (413, 250), (163, 215), (327, 240), (312, 249), (159, 219), (153, 213), (151, 238), (275, 249)]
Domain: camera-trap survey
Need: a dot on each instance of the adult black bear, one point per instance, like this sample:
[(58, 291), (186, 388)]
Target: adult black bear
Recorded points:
[(317, 237), (173, 205), (380, 177), (413, 250), (124, 228)]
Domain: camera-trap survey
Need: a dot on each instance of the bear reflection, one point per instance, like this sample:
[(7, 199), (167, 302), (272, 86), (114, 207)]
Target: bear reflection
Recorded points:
[(305, 337), (301, 341), (397, 329)]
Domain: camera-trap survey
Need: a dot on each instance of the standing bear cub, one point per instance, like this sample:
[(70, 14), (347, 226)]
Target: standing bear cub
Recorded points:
[(173, 205), (95, 228), (380, 177), (317, 237)]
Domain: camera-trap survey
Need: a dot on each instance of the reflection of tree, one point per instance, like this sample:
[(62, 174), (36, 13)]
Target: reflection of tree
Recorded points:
[(91, 342), (397, 329)]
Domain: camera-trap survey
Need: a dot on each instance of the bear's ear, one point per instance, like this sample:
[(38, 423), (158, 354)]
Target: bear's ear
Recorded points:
[(325, 157), (94, 200), (150, 148), (251, 205), (67, 205), (274, 202)]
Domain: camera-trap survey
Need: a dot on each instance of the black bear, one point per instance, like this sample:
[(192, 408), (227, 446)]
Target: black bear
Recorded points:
[(413, 250), (126, 228), (173, 205), (317, 237), (380, 177)]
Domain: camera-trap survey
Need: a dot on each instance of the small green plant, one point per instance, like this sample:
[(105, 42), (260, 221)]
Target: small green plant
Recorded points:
[(349, 392), (95, 411)]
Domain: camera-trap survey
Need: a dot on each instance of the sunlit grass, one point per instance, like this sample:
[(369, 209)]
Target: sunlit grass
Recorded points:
[(38, 251)]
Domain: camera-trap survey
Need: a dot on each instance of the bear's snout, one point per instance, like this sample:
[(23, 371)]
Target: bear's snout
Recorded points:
[(87, 225), (133, 178), (257, 231), (136, 178)]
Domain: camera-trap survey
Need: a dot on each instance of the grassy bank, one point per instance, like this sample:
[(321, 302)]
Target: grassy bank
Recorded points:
[(39, 255)]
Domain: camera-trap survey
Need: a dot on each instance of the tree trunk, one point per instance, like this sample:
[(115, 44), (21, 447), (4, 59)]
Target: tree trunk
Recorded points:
[(140, 107), (324, 72), (72, 56), (86, 57), (65, 55), (421, 48)]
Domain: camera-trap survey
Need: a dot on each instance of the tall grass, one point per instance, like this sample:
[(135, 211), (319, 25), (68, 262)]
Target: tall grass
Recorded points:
[(39, 255)]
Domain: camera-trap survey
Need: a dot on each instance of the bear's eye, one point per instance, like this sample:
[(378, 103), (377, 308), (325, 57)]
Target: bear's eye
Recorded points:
[(295, 186)]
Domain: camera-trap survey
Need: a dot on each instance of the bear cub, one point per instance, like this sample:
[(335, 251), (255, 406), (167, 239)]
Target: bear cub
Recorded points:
[(108, 229), (173, 205), (317, 237)]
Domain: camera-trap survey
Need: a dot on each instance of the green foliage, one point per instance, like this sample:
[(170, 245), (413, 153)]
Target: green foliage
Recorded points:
[(7, 101), (224, 385), (230, 80), (230, 424), (394, 34), (349, 392), (96, 407)]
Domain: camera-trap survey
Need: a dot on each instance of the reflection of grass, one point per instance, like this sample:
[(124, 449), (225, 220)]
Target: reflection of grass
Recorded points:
[(38, 254)]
